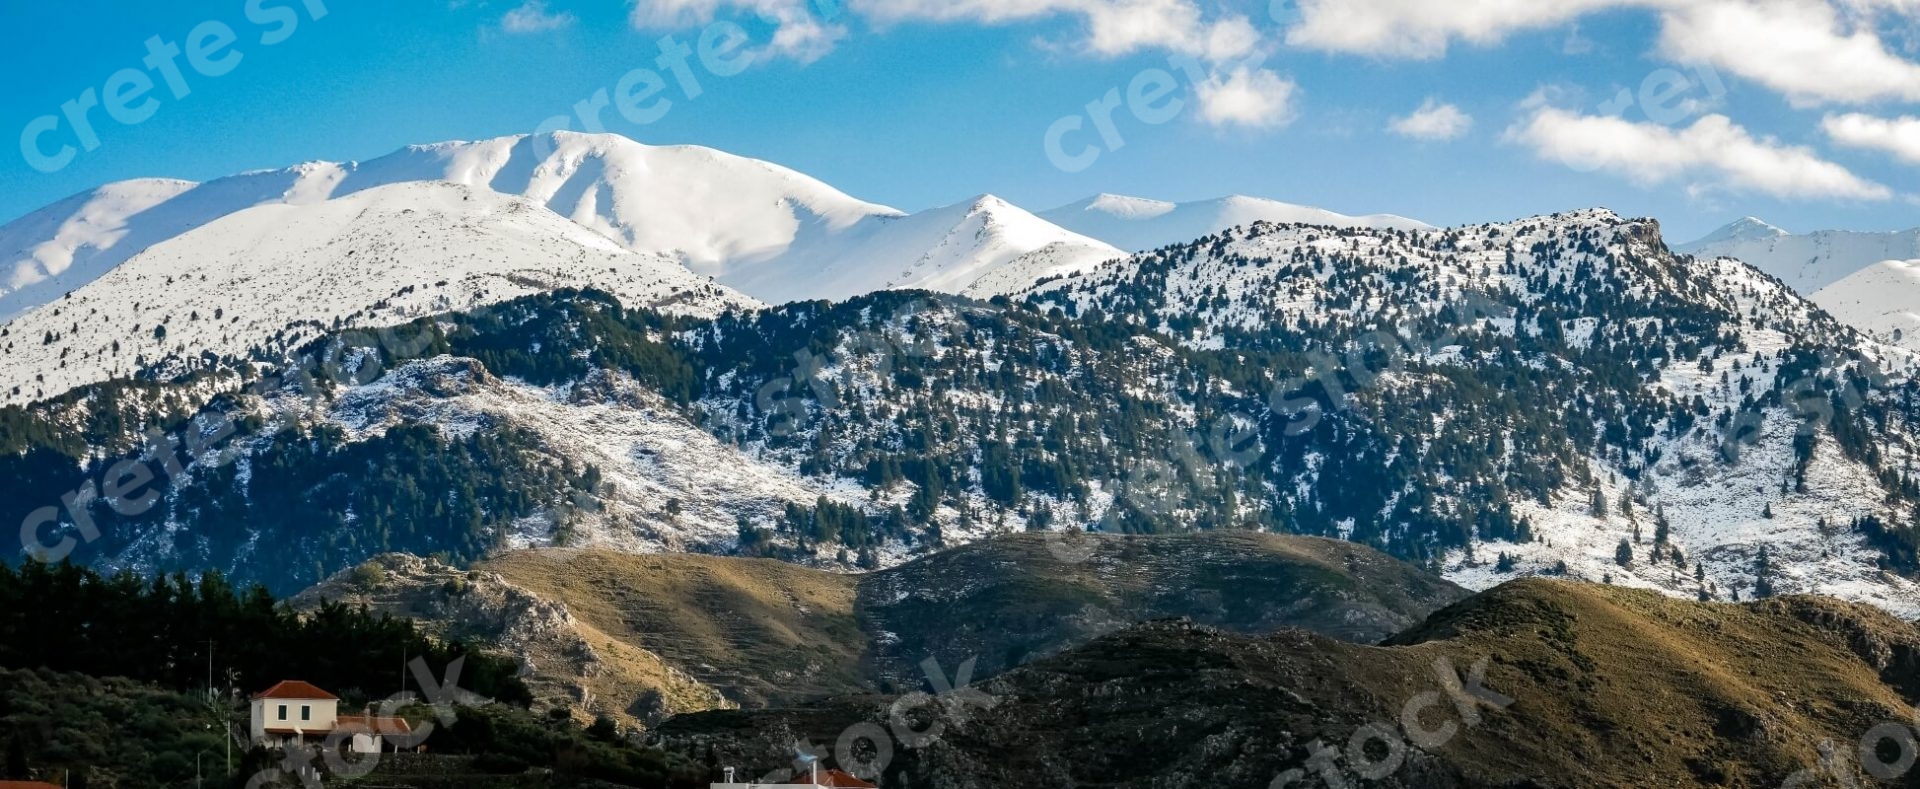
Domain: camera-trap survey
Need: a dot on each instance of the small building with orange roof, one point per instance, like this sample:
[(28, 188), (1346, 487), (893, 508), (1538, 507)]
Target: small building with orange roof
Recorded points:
[(300, 712)]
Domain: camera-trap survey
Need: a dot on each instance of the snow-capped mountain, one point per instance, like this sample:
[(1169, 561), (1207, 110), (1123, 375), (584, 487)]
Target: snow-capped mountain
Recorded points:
[(1882, 300), (267, 278), (984, 247), (73, 242), (1558, 396), (770, 231), (1702, 451), (1139, 224), (1806, 262)]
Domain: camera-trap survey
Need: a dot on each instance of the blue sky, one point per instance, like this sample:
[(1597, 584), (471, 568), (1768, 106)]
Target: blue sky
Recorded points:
[(918, 103)]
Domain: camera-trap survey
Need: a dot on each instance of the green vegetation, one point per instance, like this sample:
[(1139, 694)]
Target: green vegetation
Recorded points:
[(69, 619), (106, 732)]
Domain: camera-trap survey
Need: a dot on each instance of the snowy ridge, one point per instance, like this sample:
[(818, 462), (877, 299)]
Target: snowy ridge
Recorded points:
[(1139, 224), (1882, 300), (263, 280), (1722, 514), (650, 453), (1810, 262), (773, 232)]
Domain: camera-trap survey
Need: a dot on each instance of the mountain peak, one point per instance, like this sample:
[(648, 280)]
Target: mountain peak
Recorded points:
[(1742, 229)]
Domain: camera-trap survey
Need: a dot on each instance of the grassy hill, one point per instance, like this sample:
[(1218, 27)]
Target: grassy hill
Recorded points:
[(1014, 599), (643, 637), (1609, 688), (763, 631)]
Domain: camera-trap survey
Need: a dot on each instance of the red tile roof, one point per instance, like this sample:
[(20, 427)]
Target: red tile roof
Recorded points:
[(836, 778), (372, 724), (293, 689)]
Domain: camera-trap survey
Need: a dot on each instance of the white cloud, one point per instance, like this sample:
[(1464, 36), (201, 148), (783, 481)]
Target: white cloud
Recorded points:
[(1803, 49), (1812, 51), (1423, 28), (1230, 48), (1111, 27), (1238, 90), (1898, 136), (1247, 96), (799, 33), (1433, 121), (533, 17), (1108, 27), (1712, 154)]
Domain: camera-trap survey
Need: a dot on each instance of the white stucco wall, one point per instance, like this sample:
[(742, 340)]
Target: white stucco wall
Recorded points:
[(322, 714)]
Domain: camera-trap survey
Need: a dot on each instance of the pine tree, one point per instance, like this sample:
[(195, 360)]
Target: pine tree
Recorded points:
[(1762, 575), (1623, 555)]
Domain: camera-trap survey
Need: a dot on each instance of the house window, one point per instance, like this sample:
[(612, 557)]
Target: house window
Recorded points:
[(306, 712), (283, 712)]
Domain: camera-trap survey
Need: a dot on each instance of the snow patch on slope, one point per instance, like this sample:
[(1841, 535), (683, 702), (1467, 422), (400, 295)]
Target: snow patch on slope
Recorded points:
[(1716, 508), (667, 484), (1882, 300), (265, 279)]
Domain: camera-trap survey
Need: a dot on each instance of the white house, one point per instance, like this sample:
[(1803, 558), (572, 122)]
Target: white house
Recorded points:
[(298, 712)]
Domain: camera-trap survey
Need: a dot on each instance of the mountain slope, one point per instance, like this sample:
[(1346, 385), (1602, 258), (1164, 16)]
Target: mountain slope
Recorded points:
[(265, 279), (1139, 224), (1602, 687), (984, 247), (1808, 262), (1554, 396), (646, 637), (773, 232), (1011, 600), (64, 246), (1882, 300), (1685, 348)]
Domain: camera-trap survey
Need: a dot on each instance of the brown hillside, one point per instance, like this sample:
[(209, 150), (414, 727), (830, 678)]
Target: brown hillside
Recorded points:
[(1610, 688)]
